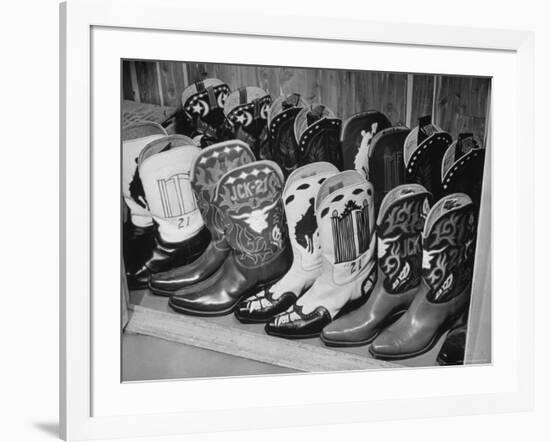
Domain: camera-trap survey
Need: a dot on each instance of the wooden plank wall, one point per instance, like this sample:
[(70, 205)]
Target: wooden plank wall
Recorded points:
[(457, 103)]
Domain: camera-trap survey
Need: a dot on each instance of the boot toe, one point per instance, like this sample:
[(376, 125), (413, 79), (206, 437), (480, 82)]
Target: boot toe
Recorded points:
[(208, 304), (386, 345)]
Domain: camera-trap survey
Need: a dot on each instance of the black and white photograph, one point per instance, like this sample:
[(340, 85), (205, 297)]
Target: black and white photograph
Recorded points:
[(282, 219)]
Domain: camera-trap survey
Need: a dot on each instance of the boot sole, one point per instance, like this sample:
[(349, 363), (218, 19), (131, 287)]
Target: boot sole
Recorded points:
[(293, 337), (391, 319), (440, 332), (226, 311)]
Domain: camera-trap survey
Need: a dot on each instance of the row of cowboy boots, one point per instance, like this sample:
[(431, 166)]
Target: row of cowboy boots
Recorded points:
[(425, 261), (288, 130), (165, 228), (330, 216), (241, 203)]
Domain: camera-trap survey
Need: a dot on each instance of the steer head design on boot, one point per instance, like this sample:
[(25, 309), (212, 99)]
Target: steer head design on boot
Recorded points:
[(249, 197), (299, 198)]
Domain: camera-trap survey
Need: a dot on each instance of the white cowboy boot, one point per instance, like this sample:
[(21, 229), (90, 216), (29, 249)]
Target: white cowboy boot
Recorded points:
[(138, 230), (164, 168), (345, 218), (299, 197)]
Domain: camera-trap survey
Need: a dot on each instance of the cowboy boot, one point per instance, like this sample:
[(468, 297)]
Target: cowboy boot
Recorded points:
[(280, 121), (164, 167), (208, 167), (317, 131), (462, 168), (448, 243), (344, 210), (398, 229), (246, 111), (385, 168), (299, 196), (249, 200), (357, 133), (423, 152), (201, 115), (138, 230)]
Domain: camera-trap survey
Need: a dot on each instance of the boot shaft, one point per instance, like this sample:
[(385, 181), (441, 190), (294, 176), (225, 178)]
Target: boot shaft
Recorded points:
[(448, 243), (280, 121), (246, 110), (208, 167), (134, 140), (345, 218), (357, 133), (462, 168), (423, 152), (399, 227), (249, 201), (317, 132), (202, 105), (165, 168), (386, 168), (299, 198)]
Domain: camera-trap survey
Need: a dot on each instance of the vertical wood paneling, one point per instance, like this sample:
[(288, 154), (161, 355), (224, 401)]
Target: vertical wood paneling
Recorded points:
[(172, 80), (127, 92), (422, 97), (147, 82), (461, 105)]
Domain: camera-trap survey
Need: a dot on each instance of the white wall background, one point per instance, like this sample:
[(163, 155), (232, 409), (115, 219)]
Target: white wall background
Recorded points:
[(29, 225)]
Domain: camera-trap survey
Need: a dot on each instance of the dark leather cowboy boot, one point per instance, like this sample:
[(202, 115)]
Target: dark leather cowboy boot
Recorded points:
[(201, 115), (345, 219), (444, 295), (398, 229), (462, 169), (299, 197), (317, 131), (249, 199), (246, 110), (423, 154), (164, 168), (386, 169), (208, 167), (357, 133), (280, 121), (138, 232)]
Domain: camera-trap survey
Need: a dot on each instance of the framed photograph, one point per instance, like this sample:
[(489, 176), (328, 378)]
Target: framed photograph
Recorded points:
[(274, 231)]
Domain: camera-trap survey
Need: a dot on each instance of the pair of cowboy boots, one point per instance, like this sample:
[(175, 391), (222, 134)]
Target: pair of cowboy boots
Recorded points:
[(331, 223), (299, 197), (241, 203), (425, 261), (161, 189)]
